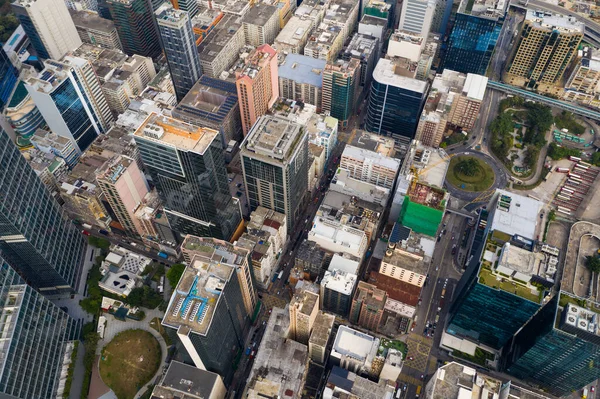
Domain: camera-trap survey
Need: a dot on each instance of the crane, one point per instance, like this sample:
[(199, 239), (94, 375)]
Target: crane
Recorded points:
[(418, 172)]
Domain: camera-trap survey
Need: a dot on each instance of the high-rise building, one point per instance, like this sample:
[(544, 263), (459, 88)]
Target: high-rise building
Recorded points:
[(364, 48), (69, 97), (275, 165), (584, 81), (212, 103), (189, 382), (336, 292), (370, 166), (22, 114), (188, 170), (367, 306), (38, 338), (301, 78), (179, 43), (35, 237), (207, 308), (476, 30), (257, 85), (192, 7), (124, 187), (340, 81), (8, 78), (304, 308), (416, 16), (546, 45), (49, 27), (134, 20), (454, 101), (396, 100), (94, 29), (319, 338), (261, 24)]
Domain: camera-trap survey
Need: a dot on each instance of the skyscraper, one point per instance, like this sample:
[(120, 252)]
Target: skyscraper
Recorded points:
[(367, 306), (35, 237), (179, 43), (395, 101), (8, 78), (69, 97), (275, 165), (37, 339), (340, 80), (207, 308), (134, 20), (416, 16), (474, 36), (546, 45), (124, 187), (48, 25), (191, 6), (188, 170), (304, 308), (257, 85)]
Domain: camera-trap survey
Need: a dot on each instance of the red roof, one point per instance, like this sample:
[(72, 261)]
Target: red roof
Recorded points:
[(396, 289)]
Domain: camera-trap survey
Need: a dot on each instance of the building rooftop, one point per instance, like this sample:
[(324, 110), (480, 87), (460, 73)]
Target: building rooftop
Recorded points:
[(112, 170), (305, 301), (274, 138), (376, 159), (347, 385), (91, 20), (321, 329), (259, 14), (197, 295), (173, 132), (209, 99), (279, 369), (339, 281), (456, 381), (515, 214), (343, 183), (257, 59), (362, 46), (374, 142), (354, 344), (120, 270), (413, 253), (396, 290), (294, 31), (185, 382), (169, 16), (555, 22), (492, 9), (343, 264), (389, 72), (218, 37), (302, 69), (370, 295), (342, 66), (372, 20), (431, 164)]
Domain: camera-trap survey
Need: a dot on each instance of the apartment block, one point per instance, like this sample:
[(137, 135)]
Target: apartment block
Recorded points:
[(582, 84), (261, 24), (301, 78), (325, 42), (220, 49), (323, 131), (257, 84), (366, 49), (319, 338), (367, 306), (416, 16), (294, 35), (304, 308), (124, 187), (452, 105), (368, 166), (340, 81), (546, 45), (96, 30), (310, 258), (336, 292)]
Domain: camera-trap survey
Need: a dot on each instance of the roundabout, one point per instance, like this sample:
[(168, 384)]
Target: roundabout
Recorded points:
[(488, 175)]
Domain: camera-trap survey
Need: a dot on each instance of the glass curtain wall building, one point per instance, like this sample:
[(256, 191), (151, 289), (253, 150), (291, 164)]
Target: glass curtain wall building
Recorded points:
[(188, 170), (8, 78), (134, 20), (179, 42), (476, 30), (42, 244), (37, 336)]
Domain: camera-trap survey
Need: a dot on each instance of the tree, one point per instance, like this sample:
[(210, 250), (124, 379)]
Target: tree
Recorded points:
[(174, 274), (540, 117), (531, 156), (596, 158), (468, 167), (592, 263), (98, 242)]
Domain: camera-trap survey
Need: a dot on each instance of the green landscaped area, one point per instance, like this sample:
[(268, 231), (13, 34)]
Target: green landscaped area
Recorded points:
[(479, 357), (486, 277), (481, 179), (129, 361), (398, 345)]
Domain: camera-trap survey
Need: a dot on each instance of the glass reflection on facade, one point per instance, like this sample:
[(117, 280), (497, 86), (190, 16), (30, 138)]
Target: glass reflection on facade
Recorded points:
[(8, 78), (471, 43), (36, 337), (35, 237)]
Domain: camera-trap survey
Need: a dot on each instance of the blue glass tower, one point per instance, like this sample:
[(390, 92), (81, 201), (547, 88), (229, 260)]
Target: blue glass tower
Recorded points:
[(559, 349), (473, 39), (43, 245), (8, 78), (395, 103), (36, 338)]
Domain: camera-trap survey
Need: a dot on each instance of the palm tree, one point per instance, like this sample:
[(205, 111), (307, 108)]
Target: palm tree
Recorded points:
[(468, 167)]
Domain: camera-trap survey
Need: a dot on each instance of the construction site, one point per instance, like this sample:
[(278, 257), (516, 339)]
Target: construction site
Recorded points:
[(423, 208)]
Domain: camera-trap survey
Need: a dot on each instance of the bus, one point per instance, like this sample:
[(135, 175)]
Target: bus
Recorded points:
[(573, 175), (567, 190), (563, 170), (581, 163), (280, 274), (563, 210), (582, 167), (574, 159)]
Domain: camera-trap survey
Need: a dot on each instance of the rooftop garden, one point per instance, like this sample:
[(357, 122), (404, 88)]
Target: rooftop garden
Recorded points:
[(479, 357), (393, 344), (508, 284)]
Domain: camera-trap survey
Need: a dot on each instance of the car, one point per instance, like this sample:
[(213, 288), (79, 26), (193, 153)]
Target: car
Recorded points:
[(412, 329), (439, 238), (85, 233), (411, 358), (453, 251), (444, 231), (422, 377), (103, 232), (592, 389), (278, 292), (404, 387), (453, 237), (270, 310), (541, 215)]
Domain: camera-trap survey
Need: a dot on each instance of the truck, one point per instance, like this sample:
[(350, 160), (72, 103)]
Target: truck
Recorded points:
[(584, 393), (280, 274), (87, 226), (163, 255)]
